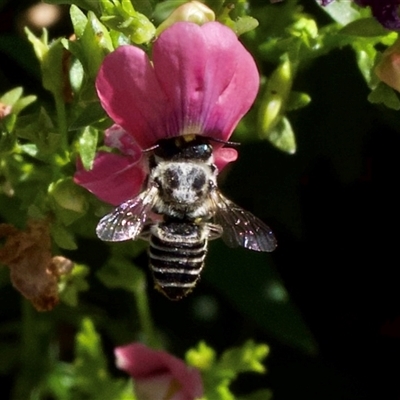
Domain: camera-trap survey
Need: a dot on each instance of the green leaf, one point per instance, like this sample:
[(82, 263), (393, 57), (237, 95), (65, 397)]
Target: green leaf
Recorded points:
[(386, 95), (87, 377), (202, 357), (69, 195), (247, 358), (364, 27), (164, 8), (40, 131), (40, 45), (244, 24), (12, 96), (8, 123), (92, 379), (234, 16), (92, 113), (53, 76), (282, 136), (366, 58), (78, 19), (87, 146), (342, 12), (219, 374), (96, 44), (59, 383), (297, 100), (22, 103), (90, 361), (64, 238), (76, 73), (274, 98), (121, 273)]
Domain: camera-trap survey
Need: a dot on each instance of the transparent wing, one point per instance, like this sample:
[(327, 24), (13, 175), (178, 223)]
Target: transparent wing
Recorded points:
[(127, 221), (240, 227)]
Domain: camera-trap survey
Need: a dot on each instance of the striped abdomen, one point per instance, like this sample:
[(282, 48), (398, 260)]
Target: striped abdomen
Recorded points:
[(177, 252)]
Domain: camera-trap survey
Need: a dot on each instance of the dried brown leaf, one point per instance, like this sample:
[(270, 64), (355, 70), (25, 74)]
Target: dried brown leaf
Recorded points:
[(33, 269)]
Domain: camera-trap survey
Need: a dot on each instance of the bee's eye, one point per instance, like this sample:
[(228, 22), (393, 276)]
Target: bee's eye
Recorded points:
[(172, 178), (199, 182)]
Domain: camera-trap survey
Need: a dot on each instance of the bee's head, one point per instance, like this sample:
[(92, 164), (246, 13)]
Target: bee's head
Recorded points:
[(183, 183), (187, 147)]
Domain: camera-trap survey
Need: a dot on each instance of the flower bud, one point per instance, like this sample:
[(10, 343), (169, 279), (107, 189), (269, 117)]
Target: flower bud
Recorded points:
[(193, 11), (388, 69), (274, 98), (5, 110)]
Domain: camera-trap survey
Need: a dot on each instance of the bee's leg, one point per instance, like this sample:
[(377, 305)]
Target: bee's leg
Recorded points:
[(146, 232), (214, 230)]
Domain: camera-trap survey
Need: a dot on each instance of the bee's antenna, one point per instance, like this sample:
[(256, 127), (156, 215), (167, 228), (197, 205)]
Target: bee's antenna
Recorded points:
[(234, 144), (156, 146)]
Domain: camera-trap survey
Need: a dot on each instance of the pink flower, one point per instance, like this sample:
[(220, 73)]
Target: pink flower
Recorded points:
[(158, 375), (201, 80)]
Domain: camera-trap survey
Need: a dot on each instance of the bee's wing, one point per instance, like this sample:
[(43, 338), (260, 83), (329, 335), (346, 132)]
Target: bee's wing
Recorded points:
[(127, 221), (240, 227)]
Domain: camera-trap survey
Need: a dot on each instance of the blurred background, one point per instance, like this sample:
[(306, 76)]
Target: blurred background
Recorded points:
[(327, 301)]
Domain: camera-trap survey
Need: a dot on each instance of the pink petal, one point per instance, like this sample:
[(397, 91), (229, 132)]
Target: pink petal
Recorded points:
[(142, 362), (154, 388), (224, 156), (118, 138), (209, 77), (130, 94), (114, 178)]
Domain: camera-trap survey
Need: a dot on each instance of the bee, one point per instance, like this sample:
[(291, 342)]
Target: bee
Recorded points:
[(180, 210)]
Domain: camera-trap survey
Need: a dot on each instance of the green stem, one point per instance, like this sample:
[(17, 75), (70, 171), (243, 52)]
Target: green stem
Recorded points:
[(62, 123), (30, 355), (144, 313)]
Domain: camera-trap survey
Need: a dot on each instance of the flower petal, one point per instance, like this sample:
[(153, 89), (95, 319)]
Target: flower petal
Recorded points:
[(224, 156), (142, 362), (114, 178), (130, 94), (208, 76), (119, 138)]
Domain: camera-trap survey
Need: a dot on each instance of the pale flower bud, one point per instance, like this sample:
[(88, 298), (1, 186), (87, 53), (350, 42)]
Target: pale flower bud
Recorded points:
[(388, 69), (193, 11), (5, 110)]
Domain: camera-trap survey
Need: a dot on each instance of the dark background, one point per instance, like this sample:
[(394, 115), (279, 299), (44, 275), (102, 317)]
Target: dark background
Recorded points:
[(333, 207)]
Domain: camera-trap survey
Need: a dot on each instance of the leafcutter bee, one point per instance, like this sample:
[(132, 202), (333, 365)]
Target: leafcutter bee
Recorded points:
[(179, 211)]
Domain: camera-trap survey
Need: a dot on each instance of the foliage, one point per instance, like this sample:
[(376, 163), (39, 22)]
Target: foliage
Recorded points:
[(41, 141)]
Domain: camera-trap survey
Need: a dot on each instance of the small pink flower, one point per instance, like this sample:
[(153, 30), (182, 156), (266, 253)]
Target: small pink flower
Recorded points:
[(201, 80), (158, 375)]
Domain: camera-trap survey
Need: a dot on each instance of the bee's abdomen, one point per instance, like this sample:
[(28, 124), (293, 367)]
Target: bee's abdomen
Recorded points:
[(177, 252)]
